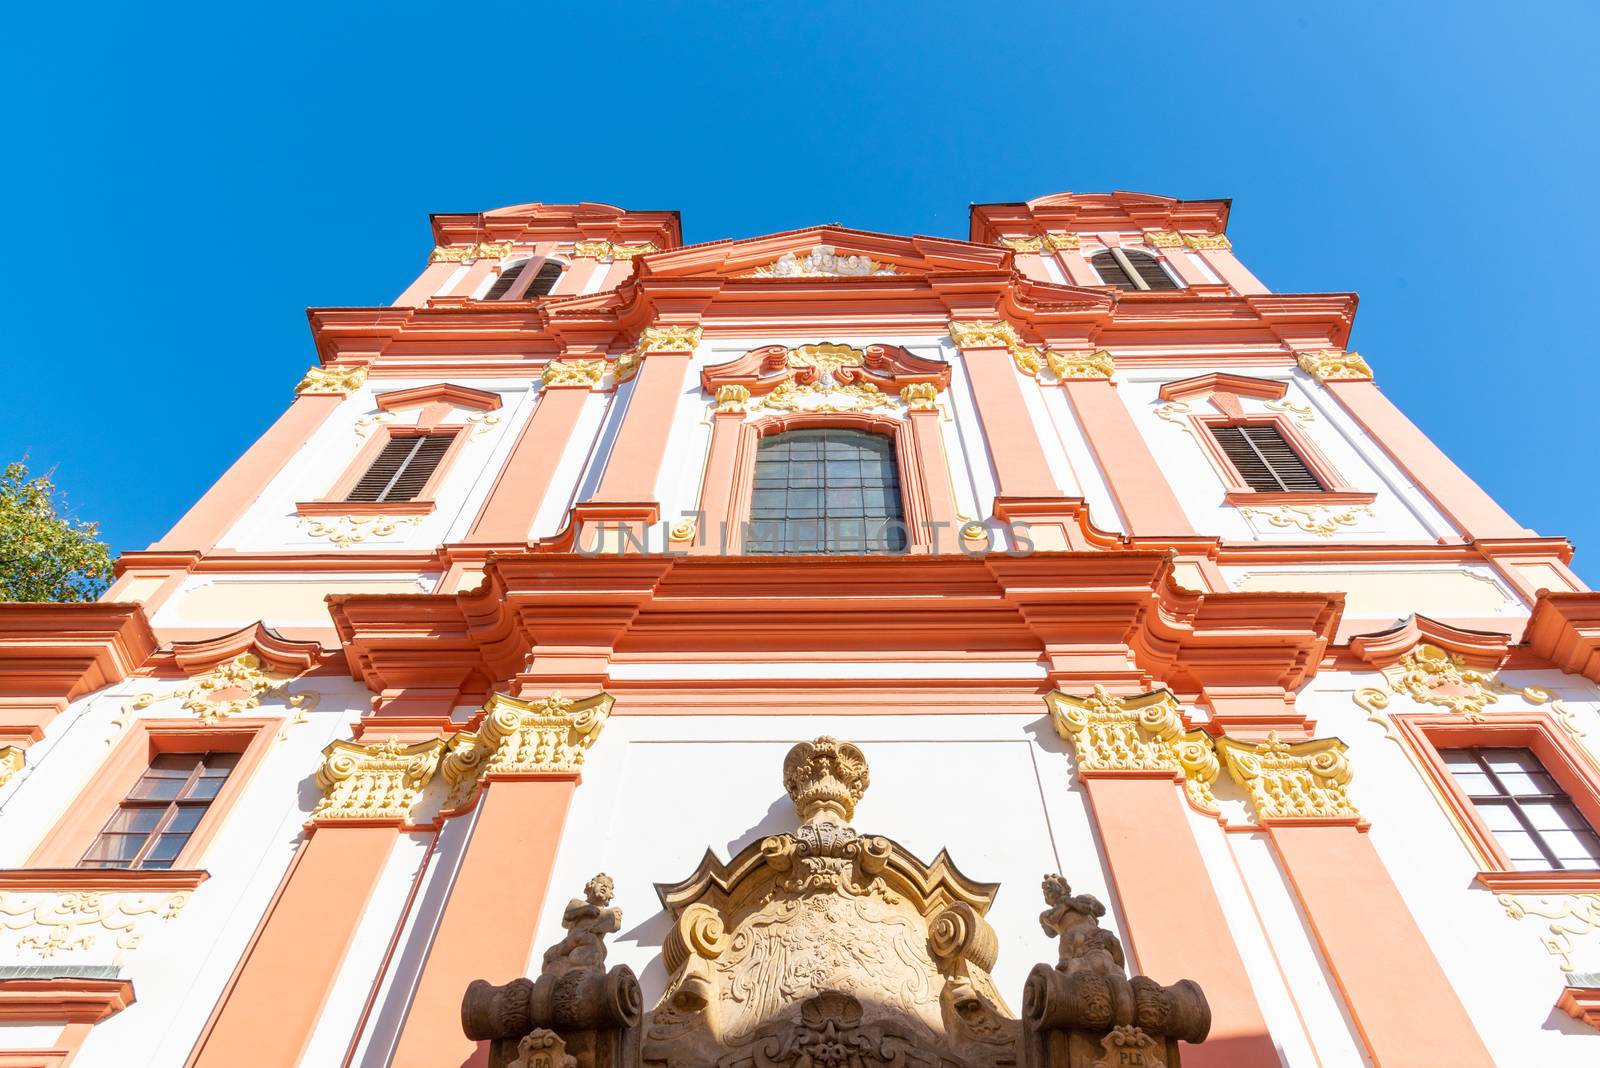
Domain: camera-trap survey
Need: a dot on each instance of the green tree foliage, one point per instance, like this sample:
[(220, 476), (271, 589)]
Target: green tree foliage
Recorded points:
[(46, 555)]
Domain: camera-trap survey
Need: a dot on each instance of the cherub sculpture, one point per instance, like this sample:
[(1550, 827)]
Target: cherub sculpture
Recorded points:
[(1075, 919), (588, 921)]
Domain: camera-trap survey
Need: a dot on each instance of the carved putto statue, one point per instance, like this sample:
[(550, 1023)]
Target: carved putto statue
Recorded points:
[(588, 921)]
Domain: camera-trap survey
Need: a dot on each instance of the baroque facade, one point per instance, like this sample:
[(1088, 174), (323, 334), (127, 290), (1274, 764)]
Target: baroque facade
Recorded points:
[(596, 552)]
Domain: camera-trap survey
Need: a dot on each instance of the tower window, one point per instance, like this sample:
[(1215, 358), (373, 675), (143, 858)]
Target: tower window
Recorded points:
[(151, 827), (828, 491), (543, 281), (1532, 818), (402, 469), (507, 279), (1131, 269), (1265, 461)]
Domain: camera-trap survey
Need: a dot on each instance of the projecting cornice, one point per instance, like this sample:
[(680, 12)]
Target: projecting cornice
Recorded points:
[(1565, 630), (52, 653), (529, 224), (1096, 212)]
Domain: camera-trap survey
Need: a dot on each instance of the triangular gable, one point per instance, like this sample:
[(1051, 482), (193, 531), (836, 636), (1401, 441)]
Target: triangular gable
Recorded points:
[(823, 252)]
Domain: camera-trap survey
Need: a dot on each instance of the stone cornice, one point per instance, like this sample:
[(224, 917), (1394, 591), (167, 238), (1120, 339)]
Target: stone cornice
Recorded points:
[(1097, 212), (528, 224), (277, 654), (1565, 630), (60, 651)]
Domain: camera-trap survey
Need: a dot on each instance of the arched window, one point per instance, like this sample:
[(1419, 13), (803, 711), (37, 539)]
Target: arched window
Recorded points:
[(507, 279), (1131, 269), (544, 281), (540, 286), (828, 490)]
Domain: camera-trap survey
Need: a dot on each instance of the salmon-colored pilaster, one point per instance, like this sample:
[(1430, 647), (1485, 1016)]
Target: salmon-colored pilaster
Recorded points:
[(508, 514), (640, 446), (226, 502), (470, 282), (492, 916), (1077, 268), (1149, 507), (1186, 269), (1232, 271), (1150, 848), (933, 466), (269, 1010), (1019, 464), (576, 276), (1457, 496), (1398, 995), (426, 285), (722, 471)]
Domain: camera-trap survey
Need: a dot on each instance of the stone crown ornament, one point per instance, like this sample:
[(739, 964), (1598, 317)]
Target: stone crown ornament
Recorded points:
[(825, 777)]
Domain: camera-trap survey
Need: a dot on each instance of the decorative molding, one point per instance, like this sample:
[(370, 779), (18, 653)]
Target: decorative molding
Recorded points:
[(1091, 365), (1202, 242), (825, 777), (920, 397), (1334, 365), (1570, 916), (605, 250), (1300, 413), (586, 373), (12, 761), (1163, 239), (825, 377), (1430, 675), (1286, 781), (823, 398), (1322, 520), (1021, 244), (1142, 733), (451, 393), (657, 339), (331, 380), (683, 530), (227, 690), (375, 782), (547, 737), (468, 253), (1582, 1002), (733, 398), (821, 262), (74, 922), (1062, 242), (347, 530), (997, 334)]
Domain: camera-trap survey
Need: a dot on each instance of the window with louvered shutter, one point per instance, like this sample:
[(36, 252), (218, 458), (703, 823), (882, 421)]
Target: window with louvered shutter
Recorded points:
[(1149, 270), (507, 279), (402, 469), (1266, 462), (544, 281), (1110, 271)]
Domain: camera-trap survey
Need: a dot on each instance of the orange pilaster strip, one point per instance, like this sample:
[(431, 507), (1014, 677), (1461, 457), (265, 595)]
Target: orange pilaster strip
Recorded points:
[(1019, 464), (509, 859), (1149, 506), (640, 446), (1150, 849), (508, 514)]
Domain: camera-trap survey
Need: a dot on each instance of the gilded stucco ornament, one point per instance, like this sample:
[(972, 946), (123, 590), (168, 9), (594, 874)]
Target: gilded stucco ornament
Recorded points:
[(1062, 242), (997, 334), (1163, 239), (1566, 918), (77, 923), (920, 397), (1298, 780), (347, 530), (229, 689), (732, 398), (1021, 244), (1430, 675), (657, 339), (586, 373), (330, 380), (1300, 413), (1076, 365), (548, 736), (821, 262), (1334, 365), (1142, 733), (469, 253), (11, 762), (824, 392), (1201, 242), (605, 251), (375, 782), (1322, 520)]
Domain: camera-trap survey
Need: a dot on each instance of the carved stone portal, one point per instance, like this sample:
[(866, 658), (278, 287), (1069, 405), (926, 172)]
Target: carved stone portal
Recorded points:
[(829, 948)]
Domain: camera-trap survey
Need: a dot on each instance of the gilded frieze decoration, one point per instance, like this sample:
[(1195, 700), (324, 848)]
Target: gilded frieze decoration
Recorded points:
[(1430, 675), (1334, 365), (605, 251), (920, 397), (733, 398), (657, 339), (1202, 242), (1073, 365), (821, 262), (88, 925), (1021, 244), (382, 781), (998, 334), (587, 373), (331, 380), (826, 947), (347, 530), (1061, 242), (1291, 780), (1569, 920), (469, 253), (826, 377), (366, 424), (1163, 239), (11, 762), (230, 689), (1142, 733), (549, 736), (1322, 520)]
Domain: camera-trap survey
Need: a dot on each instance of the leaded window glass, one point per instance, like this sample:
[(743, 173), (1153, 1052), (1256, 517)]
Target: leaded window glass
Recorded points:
[(831, 490)]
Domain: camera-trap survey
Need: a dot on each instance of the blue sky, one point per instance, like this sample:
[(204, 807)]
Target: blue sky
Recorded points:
[(185, 181)]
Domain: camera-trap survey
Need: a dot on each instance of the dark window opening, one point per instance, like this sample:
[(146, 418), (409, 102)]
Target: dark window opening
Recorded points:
[(1266, 462), (1131, 269), (507, 279), (826, 491), (544, 281), (1532, 818), (403, 468), (152, 826)]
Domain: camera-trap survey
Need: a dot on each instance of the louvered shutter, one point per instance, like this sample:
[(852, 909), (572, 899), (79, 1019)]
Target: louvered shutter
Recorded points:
[(1150, 270), (402, 469), (1266, 462), (1110, 271), (544, 281), (507, 279)]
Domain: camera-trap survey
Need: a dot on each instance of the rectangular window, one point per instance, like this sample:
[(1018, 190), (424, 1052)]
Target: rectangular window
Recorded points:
[(826, 491), (402, 468), (1530, 815), (151, 827), (1265, 461)]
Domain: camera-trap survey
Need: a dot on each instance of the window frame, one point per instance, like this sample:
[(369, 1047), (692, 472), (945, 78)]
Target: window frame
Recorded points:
[(1120, 254), (1239, 492), (167, 812), (66, 843), (1564, 760), (335, 502), (899, 494)]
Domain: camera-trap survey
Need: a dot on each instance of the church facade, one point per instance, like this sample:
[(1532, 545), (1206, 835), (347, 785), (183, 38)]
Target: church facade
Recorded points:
[(516, 698)]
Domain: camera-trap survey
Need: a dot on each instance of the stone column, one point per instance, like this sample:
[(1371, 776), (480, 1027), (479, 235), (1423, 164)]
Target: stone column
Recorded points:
[(1347, 376), (271, 1006), (1398, 996), (317, 396), (522, 784), (508, 513), (1130, 753)]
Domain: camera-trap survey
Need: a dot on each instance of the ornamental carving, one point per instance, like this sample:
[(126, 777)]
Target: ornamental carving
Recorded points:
[(920, 397), (1072, 365), (1031, 360), (89, 925), (239, 685), (375, 782), (1143, 733), (587, 373), (469, 253), (1021, 244), (1163, 239), (829, 948), (1322, 520), (1334, 365), (733, 399), (1566, 919), (821, 262), (1061, 242), (1430, 675), (1202, 242), (606, 251), (826, 377), (341, 380), (11, 762), (657, 339), (1299, 780), (550, 736), (347, 530)]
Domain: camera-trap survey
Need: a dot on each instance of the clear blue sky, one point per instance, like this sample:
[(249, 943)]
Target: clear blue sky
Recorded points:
[(183, 183)]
